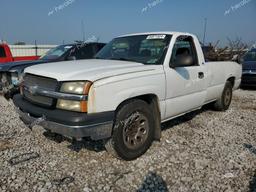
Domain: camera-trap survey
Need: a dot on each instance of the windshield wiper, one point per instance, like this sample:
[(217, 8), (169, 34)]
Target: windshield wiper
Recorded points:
[(97, 58), (123, 59), (118, 59)]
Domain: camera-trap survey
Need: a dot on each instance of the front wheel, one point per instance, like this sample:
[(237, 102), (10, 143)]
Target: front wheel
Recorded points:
[(133, 131), (223, 103)]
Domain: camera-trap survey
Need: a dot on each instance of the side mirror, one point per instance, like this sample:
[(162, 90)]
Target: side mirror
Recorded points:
[(183, 61), (71, 58)]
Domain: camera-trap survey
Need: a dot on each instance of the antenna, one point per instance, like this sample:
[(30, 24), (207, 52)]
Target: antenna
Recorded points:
[(205, 27)]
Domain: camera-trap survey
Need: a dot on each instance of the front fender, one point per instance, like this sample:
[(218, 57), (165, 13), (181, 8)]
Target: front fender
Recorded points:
[(109, 96)]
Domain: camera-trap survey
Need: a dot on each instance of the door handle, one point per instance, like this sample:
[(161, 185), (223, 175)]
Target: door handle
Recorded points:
[(200, 75)]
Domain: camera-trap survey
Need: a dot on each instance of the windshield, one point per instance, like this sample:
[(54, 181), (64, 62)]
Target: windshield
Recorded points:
[(250, 56), (146, 49), (57, 52)]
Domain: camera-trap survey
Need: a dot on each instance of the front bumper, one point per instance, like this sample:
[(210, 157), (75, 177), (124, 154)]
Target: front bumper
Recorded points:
[(71, 124), (8, 88)]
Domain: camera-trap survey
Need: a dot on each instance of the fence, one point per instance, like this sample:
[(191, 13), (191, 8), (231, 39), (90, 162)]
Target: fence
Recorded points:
[(30, 50)]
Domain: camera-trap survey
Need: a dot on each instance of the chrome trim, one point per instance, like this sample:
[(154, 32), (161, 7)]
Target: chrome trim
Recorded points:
[(253, 72), (34, 90), (13, 71)]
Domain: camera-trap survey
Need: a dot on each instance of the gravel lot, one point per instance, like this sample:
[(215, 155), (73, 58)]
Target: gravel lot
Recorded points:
[(202, 151)]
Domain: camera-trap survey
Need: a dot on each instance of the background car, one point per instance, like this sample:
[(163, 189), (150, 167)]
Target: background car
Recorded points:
[(249, 69), (6, 55), (11, 73)]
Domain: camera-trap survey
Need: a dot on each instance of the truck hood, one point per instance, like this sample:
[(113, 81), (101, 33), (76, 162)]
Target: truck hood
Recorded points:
[(249, 65), (22, 64), (91, 70)]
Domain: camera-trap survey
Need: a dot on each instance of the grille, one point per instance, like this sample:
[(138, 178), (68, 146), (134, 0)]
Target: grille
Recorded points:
[(42, 83)]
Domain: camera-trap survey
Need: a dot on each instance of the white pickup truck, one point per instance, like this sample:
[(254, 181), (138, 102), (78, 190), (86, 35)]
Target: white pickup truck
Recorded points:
[(135, 83)]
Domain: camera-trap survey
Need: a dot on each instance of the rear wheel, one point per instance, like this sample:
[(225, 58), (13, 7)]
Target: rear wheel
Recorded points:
[(133, 131), (223, 103)]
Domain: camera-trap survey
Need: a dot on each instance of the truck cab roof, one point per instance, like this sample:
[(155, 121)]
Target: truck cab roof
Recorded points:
[(158, 33)]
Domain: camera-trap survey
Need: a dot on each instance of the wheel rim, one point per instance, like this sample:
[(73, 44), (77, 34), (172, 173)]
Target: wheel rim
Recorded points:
[(135, 130), (227, 97)]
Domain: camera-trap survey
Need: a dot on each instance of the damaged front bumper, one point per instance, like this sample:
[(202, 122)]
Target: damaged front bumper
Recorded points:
[(71, 124), (9, 84)]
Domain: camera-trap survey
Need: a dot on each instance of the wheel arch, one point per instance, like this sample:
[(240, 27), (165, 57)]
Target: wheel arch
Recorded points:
[(153, 101), (232, 80)]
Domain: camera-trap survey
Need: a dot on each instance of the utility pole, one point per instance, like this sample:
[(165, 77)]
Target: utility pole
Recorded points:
[(36, 47), (205, 27), (83, 30)]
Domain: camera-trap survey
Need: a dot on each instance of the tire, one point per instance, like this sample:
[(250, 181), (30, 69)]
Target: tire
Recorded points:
[(223, 103), (133, 131)]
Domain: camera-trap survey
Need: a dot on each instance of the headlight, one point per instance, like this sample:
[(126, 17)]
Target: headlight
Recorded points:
[(79, 106), (15, 79), (78, 88)]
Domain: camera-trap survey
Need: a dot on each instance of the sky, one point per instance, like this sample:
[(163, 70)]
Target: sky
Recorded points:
[(54, 22)]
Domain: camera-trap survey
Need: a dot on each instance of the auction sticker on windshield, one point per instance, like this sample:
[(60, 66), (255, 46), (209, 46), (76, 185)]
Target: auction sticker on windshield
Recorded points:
[(156, 37)]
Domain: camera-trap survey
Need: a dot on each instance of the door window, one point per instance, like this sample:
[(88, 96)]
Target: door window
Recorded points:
[(184, 46)]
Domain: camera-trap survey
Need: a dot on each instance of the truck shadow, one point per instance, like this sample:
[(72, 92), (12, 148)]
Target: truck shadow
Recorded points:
[(184, 118), (250, 148), (96, 146), (77, 146), (153, 182), (252, 186)]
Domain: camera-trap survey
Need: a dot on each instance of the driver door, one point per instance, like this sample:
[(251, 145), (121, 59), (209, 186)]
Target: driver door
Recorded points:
[(186, 85)]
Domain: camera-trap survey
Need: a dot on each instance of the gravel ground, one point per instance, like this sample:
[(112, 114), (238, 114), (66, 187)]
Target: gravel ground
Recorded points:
[(202, 151)]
